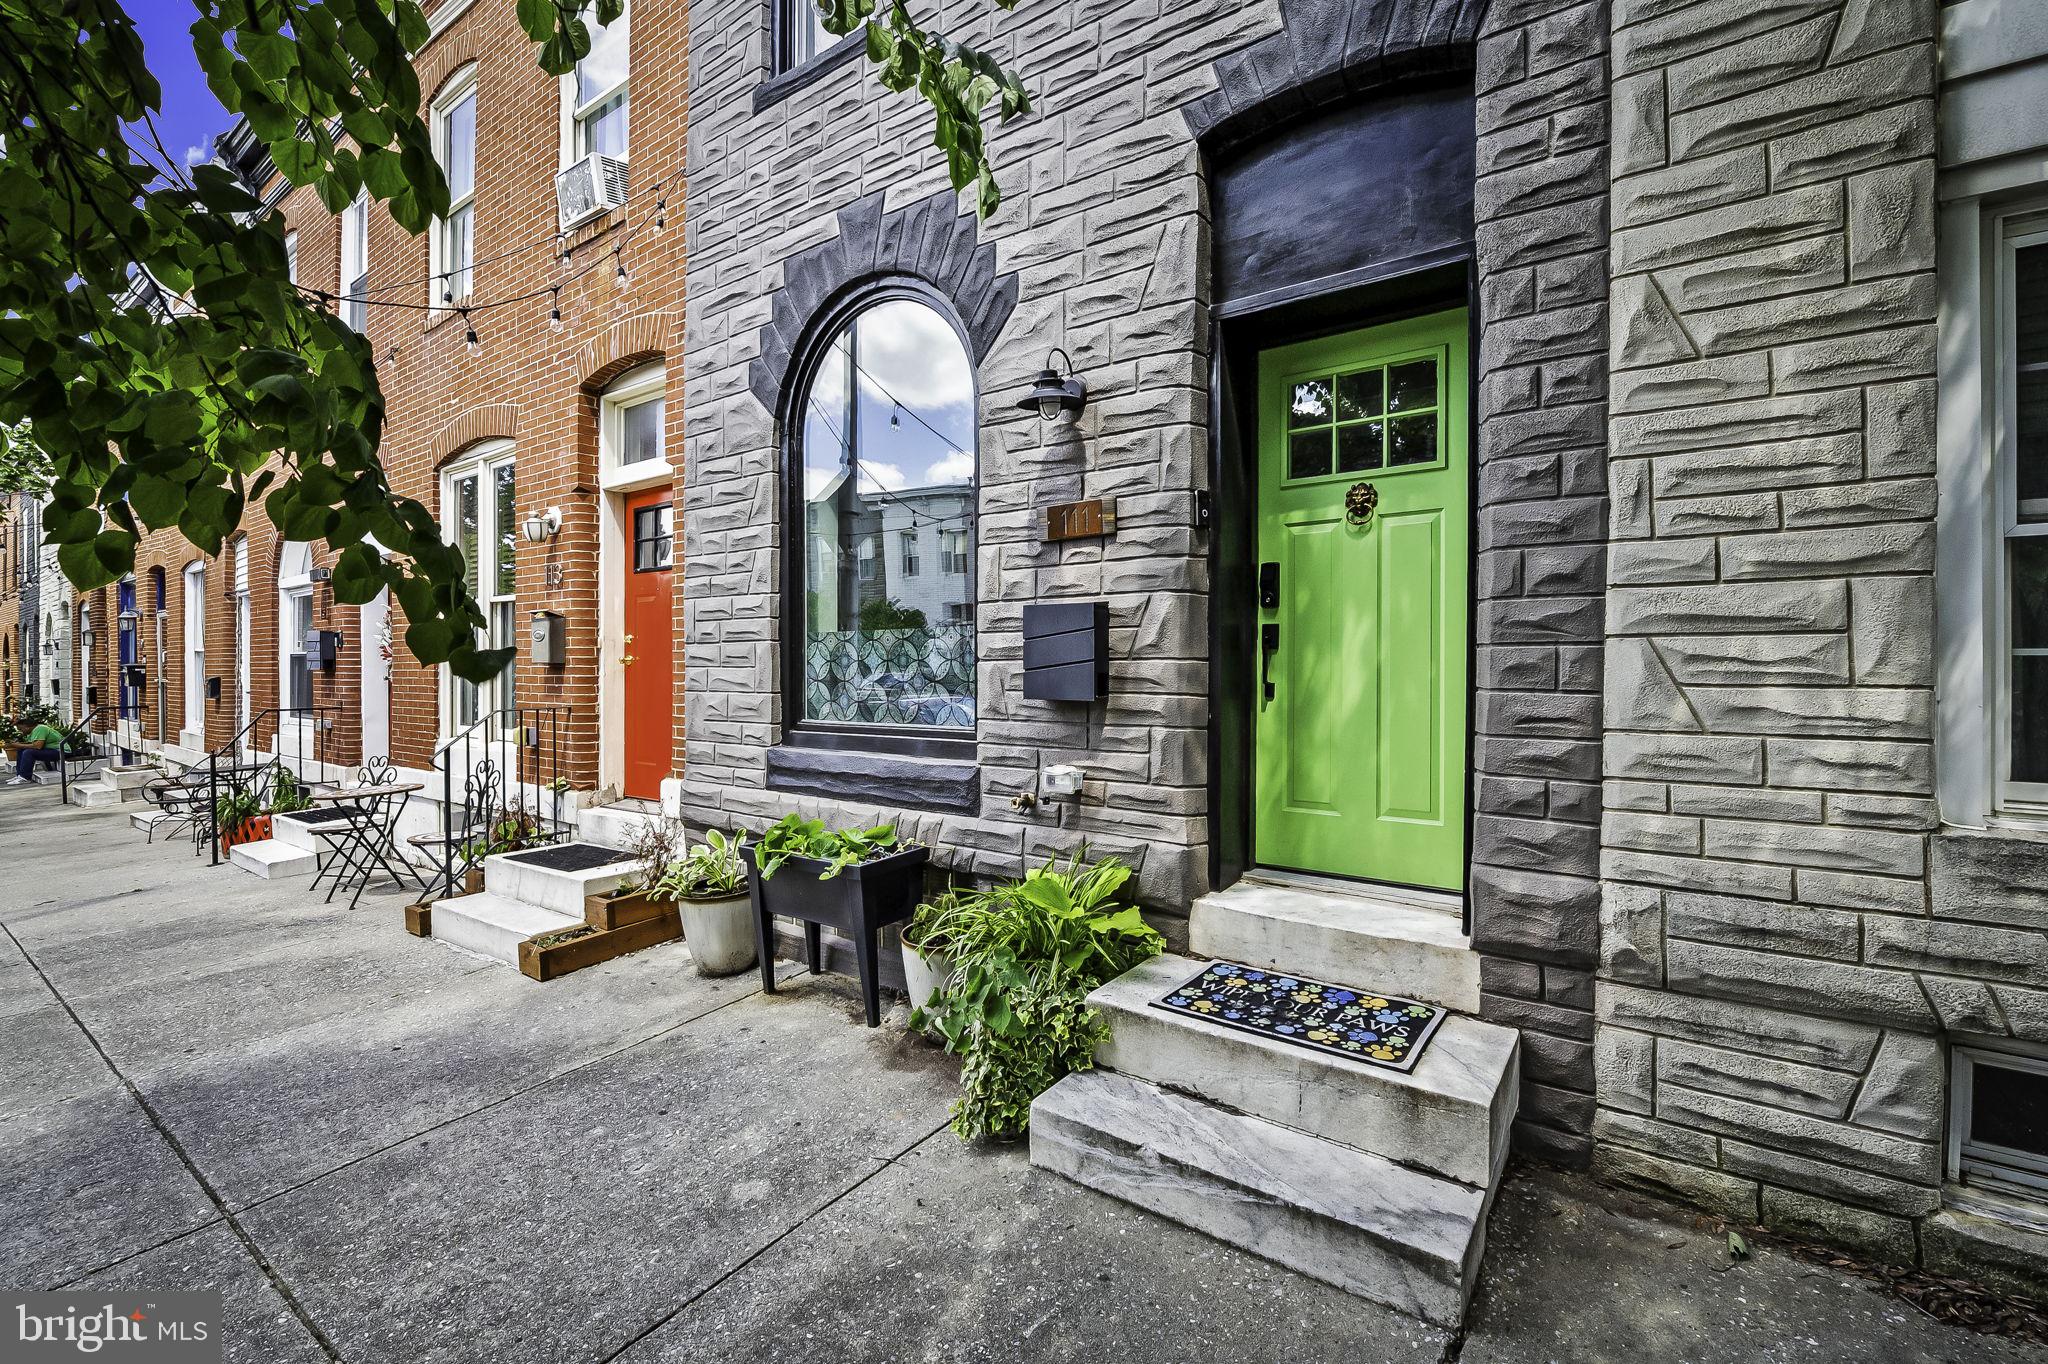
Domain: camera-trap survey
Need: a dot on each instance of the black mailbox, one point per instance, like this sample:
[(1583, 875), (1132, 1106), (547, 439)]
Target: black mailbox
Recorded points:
[(213, 689), (132, 675), (1066, 651), (321, 647)]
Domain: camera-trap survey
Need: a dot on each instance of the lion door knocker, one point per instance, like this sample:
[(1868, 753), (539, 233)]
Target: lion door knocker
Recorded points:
[(1359, 503)]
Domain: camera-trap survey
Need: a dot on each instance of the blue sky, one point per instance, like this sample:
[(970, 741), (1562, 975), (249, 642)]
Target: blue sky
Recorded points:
[(190, 116)]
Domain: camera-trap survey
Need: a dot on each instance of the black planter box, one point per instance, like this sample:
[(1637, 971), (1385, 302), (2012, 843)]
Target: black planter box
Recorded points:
[(859, 902)]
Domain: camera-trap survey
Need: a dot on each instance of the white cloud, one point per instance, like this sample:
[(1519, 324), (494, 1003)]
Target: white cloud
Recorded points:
[(957, 467), (911, 354), (881, 476), (197, 154)]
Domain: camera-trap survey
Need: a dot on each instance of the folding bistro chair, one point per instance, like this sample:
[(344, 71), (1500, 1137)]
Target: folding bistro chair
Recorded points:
[(362, 839)]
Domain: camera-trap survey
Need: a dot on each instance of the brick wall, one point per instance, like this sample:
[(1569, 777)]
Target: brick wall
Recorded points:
[(1766, 1037)]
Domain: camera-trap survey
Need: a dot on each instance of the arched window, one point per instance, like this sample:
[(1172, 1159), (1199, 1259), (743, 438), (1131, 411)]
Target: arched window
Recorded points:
[(885, 442)]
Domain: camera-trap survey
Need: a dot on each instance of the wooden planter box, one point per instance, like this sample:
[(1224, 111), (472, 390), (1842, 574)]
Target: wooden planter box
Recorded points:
[(622, 908), (559, 958), (859, 902), (419, 919)]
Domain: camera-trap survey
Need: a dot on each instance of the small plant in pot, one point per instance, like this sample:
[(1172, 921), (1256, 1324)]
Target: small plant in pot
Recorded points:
[(287, 793), (709, 886), (239, 818), (857, 881), (927, 966)]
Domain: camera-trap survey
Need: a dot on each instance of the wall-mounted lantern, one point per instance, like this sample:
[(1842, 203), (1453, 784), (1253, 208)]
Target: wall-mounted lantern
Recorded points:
[(541, 526), (1057, 390)]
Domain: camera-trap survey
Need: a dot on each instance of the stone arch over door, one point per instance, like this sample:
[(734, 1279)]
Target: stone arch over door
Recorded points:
[(929, 240), (1538, 276)]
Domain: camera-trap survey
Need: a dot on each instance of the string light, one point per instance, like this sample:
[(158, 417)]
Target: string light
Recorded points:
[(660, 216), (555, 311), (618, 254), (469, 341)]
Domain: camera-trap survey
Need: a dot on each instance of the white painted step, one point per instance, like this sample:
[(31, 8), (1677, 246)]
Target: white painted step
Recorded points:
[(1413, 947), (299, 832), (615, 826), (507, 875), (129, 778), (273, 860), (147, 820), (1349, 1218), (493, 926), (1450, 1115), (97, 796)]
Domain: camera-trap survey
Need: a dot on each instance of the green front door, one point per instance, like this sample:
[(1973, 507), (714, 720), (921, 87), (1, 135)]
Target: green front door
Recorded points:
[(1360, 723)]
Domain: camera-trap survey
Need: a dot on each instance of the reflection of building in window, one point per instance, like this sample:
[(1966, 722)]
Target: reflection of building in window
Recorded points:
[(908, 540)]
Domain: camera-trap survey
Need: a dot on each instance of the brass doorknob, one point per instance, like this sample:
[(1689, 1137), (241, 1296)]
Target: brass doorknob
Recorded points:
[(626, 660)]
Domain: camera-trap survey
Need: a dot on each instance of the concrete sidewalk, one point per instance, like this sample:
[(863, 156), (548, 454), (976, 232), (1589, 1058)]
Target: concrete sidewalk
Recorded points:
[(381, 1150)]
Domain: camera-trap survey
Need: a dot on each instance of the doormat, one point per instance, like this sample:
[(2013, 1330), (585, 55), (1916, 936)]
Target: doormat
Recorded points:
[(571, 857), (1341, 1020)]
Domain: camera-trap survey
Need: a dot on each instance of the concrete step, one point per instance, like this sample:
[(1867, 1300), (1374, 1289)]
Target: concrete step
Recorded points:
[(129, 778), (96, 796), (147, 820), (1450, 1115), (274, 860), (298, 828), (1349, 1218), (494, 926), (1415, 947), (615, 826), (519, 876)]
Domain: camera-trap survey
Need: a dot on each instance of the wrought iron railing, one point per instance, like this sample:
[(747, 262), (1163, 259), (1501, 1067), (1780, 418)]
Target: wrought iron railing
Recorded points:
[(502, 787), (82, 730), (238, 766)]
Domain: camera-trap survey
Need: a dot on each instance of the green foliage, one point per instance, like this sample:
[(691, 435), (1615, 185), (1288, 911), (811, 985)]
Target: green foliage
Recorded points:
[(958, 82), (710, 871), (235, 805), (840, 848), (1024, 957), (286, 795), (17, 727), (883, 614), (509, 831), (927, 929), (655, 845)]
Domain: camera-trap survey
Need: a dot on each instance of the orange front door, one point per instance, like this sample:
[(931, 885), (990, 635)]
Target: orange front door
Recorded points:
[(648, 654)]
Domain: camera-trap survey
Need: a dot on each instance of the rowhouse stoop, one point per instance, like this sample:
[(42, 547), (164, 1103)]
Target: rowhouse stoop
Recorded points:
[(1363, 1176), (539, 890)]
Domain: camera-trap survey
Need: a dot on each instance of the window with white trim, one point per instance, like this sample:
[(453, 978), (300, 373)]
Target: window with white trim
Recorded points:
[(294, 623), (355, 263), (195, 646), (453, 241), (291, 257), (2019, 429), (597, 92), (1998, 1117), (631, 431), (480, 518), (908, 540), (802, 34)]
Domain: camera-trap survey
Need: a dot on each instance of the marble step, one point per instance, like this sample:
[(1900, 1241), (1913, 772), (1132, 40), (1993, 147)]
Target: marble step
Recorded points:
[(615, 826), (516, 876), (1408, 942), (1450, 1115), (274, 860), (147, 820), (493, 926), (1346, 1217), (298, 828), (129, 778), (98, 796)]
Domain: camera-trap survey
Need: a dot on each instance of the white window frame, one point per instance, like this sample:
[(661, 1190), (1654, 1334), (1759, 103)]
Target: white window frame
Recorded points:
[(294, 590), (907, 545), (194, 587), (788, 12), (445, 292), (575, 112), (637, 387), (245, 687), (291, 257), (1982, 1163), (2017, 231), (355, 263), (482, 463)]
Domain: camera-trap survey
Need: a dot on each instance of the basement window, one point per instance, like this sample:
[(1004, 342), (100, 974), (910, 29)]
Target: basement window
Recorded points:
[(1998, 1119)]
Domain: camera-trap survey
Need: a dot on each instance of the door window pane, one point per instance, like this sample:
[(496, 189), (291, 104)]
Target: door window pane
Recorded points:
[(887, 441), (505, 521), (653, 538), (1412, 440), (466, 527), (1411, 385)]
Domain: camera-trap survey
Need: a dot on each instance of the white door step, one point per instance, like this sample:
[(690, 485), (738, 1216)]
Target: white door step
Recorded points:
[(1450, 1115), (1350, 934), (273, 860), (129, 778), (494, 926), (297, 828), (517, 876), (97, 796), (1346, 1217), (616, 826), (147, 820)]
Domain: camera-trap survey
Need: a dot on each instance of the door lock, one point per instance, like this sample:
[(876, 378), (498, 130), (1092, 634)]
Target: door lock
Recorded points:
[(1269, 587), (1269, 644)]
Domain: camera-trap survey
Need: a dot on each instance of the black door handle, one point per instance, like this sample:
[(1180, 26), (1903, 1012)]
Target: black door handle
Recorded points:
[(1269, 644)]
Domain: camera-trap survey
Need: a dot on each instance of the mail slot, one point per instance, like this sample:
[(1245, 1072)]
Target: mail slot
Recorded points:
[(1066, 651)]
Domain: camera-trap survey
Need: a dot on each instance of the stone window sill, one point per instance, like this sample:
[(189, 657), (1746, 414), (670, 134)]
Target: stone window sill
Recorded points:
[(887, 779)]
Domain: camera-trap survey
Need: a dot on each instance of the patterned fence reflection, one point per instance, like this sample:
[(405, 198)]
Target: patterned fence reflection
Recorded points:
[(891, 677)]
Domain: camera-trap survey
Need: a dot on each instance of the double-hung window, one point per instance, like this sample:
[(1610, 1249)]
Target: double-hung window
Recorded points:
[(909, 541), (454, 237), (2019, 427), (291, 257), (801, 33), (480, 520), (195, 647), (598, 91), (294, 623), (355, 262)]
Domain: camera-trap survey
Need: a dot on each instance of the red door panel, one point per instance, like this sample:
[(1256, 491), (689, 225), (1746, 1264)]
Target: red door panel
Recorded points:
[(648, 655)]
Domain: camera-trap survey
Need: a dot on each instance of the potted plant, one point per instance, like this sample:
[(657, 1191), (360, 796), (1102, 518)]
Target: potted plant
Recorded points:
[(709, 885), (1025, 956), (287, 792), (926, 965), (854, 880), (238, 817)]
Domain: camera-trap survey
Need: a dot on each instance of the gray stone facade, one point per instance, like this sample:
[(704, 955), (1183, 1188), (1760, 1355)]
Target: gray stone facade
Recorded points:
[(1706, 872)]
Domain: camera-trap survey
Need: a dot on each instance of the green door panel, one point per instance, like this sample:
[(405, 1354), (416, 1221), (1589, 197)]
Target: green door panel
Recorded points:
[(1361, 748)]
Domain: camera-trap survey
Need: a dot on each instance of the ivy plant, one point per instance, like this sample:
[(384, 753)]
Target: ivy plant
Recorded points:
[(159, 369)]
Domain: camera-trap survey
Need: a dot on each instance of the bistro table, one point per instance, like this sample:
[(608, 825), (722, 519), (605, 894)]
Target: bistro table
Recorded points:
[(363, 840)]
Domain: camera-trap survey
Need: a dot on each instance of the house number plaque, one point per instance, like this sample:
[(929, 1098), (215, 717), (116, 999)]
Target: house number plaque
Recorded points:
[(1080, 520)]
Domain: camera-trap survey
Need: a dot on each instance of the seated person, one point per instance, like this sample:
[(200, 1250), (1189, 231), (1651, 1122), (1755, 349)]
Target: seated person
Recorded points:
[(44, 745)]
